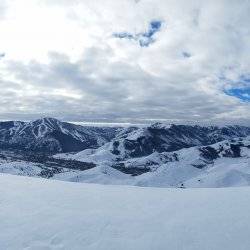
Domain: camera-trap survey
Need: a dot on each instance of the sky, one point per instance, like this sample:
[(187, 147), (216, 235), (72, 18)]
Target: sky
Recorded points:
[(125, 60)]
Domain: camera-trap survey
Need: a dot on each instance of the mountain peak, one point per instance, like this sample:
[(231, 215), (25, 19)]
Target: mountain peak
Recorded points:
[(159, 125), (48, 134), (48, 120)]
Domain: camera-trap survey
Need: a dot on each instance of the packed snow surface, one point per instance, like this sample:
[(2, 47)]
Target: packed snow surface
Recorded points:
[(43, 214)]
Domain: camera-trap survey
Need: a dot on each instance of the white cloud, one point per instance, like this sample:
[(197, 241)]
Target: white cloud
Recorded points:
[(2, 9), (62, 56)]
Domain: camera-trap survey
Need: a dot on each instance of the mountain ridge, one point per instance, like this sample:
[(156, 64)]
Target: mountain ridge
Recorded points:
[(156, 155), (161, 138), (51, 135)]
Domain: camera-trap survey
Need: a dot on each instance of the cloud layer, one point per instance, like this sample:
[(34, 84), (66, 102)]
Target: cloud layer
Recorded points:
[(126, 60)]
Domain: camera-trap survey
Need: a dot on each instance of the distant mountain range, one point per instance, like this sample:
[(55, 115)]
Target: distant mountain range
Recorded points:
[(138, 142), (51, 135), (223, 164), (155, 155)]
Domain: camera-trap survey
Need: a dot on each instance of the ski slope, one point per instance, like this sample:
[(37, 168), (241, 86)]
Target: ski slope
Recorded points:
[(38, 214)]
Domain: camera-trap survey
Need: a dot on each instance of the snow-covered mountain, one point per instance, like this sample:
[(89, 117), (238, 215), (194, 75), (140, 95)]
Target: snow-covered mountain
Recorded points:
[(157, 155), (134, 143), (223, 164), (159, 138), (52, 135)]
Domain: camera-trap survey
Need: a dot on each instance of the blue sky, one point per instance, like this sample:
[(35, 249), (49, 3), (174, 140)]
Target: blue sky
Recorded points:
[(243, 94), (145, 38), (240, 89)]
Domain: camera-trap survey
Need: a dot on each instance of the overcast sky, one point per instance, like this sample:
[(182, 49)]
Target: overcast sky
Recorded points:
[(125, 60)]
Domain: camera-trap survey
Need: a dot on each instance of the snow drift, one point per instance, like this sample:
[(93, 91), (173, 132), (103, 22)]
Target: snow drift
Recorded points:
[(40, 214)]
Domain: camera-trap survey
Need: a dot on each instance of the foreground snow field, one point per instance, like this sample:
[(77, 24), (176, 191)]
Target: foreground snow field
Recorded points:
[(44, 214)]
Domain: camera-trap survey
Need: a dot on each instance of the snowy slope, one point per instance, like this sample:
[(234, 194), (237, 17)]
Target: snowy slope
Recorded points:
[(39, 214), (133, 142), (100, 175), (138, 142), (20, 168), (225, 172), (222, 164)]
